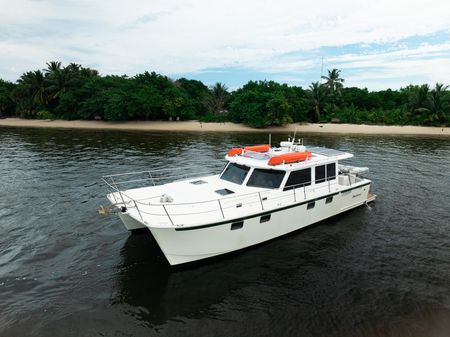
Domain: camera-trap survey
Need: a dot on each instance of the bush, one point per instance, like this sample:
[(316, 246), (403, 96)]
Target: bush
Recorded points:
[(44, 114)]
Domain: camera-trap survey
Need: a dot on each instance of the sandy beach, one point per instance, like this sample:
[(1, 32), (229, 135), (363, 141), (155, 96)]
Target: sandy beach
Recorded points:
[(225, 127)]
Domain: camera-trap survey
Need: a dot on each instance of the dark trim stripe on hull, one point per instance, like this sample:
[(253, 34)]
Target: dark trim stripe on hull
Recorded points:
[(267, 212)]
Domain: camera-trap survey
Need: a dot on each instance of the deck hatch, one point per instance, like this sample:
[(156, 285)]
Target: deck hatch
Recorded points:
[(198, 182), (224, 191)]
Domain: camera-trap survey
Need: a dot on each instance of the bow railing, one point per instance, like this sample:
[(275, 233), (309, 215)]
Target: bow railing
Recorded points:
[(151, 209)]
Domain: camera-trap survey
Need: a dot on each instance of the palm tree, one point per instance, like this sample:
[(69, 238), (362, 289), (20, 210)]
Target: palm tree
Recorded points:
[(419, 101), (73, 67), (88, 72), (56, 80), (438, 102), (318, 98), (34, 82), (52, 67), (217, 98), (333, 82)]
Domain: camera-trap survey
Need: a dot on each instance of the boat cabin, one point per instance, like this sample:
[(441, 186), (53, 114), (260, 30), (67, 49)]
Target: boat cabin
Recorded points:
[(286, 167)]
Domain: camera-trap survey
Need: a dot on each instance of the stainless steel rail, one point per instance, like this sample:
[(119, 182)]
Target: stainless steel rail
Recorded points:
[(220, 206)]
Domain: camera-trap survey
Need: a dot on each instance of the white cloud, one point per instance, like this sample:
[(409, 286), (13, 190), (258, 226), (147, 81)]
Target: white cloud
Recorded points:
[(191, 35), (428, 63)]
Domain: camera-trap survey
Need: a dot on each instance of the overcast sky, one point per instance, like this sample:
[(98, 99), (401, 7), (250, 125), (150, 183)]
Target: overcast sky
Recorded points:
[(377, 44)]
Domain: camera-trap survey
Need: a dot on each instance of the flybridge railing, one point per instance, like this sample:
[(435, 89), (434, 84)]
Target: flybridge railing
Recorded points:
[(220, 208)]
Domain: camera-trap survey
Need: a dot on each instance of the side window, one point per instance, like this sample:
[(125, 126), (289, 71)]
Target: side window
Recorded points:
[(298, 179), (331, 171), (320, 174), (325, 172)]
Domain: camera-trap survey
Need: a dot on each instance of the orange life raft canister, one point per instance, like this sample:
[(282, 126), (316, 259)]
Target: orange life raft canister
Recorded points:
[(291, 157), (255, 148)]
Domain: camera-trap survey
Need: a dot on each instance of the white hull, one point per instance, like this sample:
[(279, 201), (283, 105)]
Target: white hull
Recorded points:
[(130, 223), (182, 245)]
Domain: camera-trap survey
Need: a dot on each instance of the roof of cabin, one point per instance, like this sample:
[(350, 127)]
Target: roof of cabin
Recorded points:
[(320, 155)]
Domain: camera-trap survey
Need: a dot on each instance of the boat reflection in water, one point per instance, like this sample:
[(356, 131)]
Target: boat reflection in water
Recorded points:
[(154, 292)]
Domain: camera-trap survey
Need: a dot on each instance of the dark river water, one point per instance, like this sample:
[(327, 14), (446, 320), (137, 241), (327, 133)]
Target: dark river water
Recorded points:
[(67, 271)]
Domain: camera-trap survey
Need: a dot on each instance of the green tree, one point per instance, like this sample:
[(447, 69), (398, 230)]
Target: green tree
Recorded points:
[(7, 104), (56, 83), (261, 104), (333, 82), (217, 99), (34, 83), (76, 92), (419, 102), (438, 103), (318, 98), (195, 93), (279, 110)]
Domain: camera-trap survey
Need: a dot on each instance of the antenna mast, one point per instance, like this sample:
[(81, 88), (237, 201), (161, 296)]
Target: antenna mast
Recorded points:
[(321, 71)]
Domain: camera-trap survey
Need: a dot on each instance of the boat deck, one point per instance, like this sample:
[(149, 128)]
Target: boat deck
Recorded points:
[(195, 201)]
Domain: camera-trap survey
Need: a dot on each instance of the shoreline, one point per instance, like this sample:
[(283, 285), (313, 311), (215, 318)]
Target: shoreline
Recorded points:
[(196, 126)]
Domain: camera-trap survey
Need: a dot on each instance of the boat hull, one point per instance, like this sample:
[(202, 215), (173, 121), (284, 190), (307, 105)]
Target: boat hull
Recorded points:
[(188, 244), (130, 223)]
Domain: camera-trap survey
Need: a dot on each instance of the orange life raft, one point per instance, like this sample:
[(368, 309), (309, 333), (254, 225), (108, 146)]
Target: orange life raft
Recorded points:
[(255, 148), (287, 158)]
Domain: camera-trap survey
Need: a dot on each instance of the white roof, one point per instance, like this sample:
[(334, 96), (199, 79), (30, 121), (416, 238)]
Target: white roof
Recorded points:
[(320, 155)]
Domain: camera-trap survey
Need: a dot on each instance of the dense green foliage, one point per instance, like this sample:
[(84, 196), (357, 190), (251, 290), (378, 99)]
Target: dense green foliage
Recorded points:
[(261, 104), (75, 92)]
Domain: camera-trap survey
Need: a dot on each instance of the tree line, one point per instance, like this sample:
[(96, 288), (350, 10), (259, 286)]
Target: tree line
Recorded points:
[(75, 92)]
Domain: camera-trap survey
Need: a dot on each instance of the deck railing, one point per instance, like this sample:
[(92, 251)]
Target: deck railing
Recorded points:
[(221, 208)]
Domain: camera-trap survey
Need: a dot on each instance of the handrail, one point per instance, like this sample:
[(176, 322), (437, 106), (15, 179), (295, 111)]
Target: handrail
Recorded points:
[(139, 172), (113, 182), (254, 194), (243, 199)]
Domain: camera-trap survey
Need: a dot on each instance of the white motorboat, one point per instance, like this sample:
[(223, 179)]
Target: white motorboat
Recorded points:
[(262, 193)]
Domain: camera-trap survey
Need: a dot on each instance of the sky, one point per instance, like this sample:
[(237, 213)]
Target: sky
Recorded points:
[(376, 44)]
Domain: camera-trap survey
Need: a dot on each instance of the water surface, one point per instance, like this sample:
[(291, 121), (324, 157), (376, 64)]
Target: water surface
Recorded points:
[(66, 271)]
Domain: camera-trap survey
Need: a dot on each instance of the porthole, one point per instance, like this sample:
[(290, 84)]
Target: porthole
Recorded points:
[(264, 218), (237, 225)]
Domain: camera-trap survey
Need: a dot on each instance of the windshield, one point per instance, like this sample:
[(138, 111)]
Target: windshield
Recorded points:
[(266, 178), (235, 173)]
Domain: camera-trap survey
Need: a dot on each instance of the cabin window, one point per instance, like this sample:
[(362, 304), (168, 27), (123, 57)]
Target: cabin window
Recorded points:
[(266, 178), (298, 178), (328, 200), (320, 174), (237, 225), (311, 205), (235, 173), (264, 218), (331, 171), (325, 172)]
